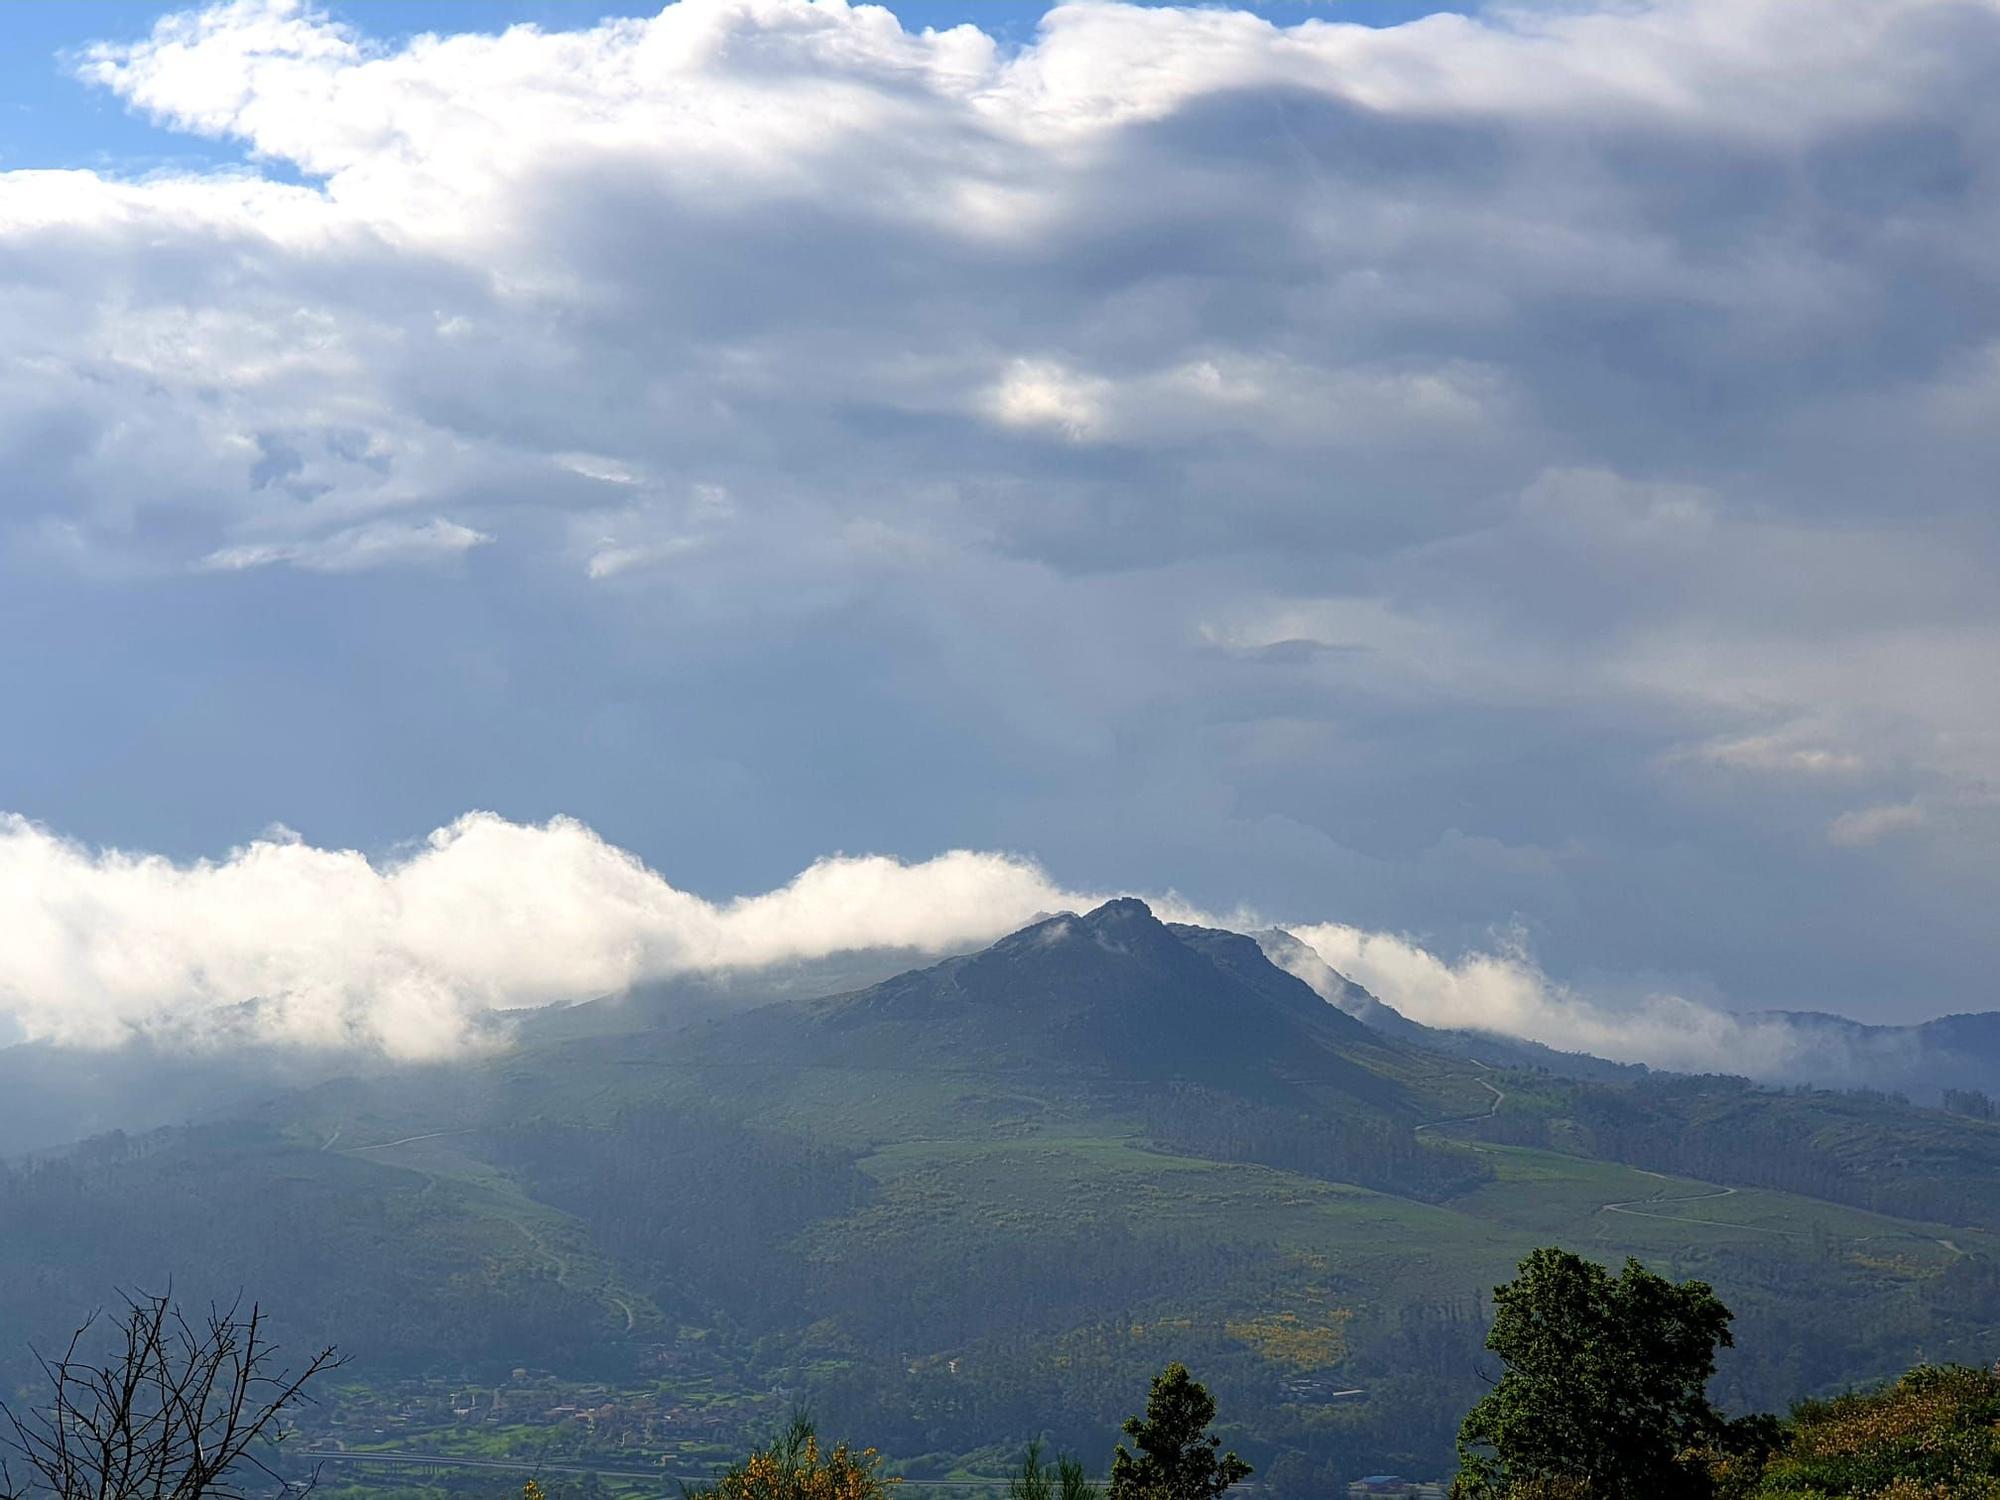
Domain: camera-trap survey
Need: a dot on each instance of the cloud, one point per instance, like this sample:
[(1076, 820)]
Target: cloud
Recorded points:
[(654, 531), (1502, 990), (1870, 825), (379, 544), (1783, 754), (1042, 393), (414, 954), (411, 955), (1527, 461), (406, 954), (1178, 226)]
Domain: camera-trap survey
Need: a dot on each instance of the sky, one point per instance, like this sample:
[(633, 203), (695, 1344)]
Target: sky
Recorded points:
[(1514, 484)]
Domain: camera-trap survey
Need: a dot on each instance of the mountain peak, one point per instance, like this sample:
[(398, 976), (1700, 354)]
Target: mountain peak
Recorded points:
[(1123, 926), (1121, 909), (1114, 992)]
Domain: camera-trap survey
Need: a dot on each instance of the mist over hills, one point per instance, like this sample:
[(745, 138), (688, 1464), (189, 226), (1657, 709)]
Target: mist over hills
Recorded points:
[(221, 1062), (1138, 1139), (1336, 989), (1922, 1060)]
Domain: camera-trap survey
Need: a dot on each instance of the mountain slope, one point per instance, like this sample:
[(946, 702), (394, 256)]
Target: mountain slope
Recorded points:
[(1490, 1048), (987, 1198), (1113, 995)]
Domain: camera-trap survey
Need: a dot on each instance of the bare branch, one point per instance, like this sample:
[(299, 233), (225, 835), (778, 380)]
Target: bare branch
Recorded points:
[(179, 1410)]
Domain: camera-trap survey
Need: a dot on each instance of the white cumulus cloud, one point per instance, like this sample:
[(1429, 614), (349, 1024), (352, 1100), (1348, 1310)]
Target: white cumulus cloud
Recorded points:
[(403, 955)]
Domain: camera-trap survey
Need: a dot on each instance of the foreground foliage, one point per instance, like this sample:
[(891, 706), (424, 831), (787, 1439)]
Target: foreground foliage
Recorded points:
[(795, 1468), (1178, 1458), (1062, 1480), (1933, 1435), (1605, 1391), (1605, 1398), (175, 1408)]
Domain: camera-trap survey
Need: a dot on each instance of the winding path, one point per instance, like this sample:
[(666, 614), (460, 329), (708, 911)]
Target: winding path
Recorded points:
[(1630, 1206), (1499, 1098), (555, 1258), (406, 1140)]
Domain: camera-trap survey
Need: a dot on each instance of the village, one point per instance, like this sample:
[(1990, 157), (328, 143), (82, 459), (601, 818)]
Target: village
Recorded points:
[(684, 1421)]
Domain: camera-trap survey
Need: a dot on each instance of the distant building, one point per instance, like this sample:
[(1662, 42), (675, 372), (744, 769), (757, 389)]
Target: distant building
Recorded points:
[(1395, 1484)]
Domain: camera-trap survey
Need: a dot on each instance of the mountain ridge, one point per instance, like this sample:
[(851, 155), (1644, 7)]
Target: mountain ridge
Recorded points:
[(1113, 992)]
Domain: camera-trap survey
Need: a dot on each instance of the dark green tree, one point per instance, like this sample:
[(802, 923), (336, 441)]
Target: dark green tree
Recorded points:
[(1178, 1459), (1062, 1480), (1605, 1391)]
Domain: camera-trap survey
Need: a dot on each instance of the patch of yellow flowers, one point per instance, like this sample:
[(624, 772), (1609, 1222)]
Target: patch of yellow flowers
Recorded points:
[(793, 1468), (843, 1473)]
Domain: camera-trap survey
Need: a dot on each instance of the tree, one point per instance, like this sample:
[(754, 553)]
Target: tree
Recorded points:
[(794, 1468), (1177, 1458), (179, 1410), (1605, 1390), (1062, 1480), (1973, 1103)]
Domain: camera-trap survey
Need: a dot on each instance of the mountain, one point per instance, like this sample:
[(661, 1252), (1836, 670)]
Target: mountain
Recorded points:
[(1115, 994), (1957, 1052), (985, 1199), (1304, 963)]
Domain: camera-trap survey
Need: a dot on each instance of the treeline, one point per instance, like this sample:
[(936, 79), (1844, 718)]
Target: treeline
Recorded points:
[(1370, 1150), (1864, 1151), (1417, 1366), (1974, 1104)]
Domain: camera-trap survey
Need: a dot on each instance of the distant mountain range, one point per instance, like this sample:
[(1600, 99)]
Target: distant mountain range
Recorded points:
[(1920, 1061)]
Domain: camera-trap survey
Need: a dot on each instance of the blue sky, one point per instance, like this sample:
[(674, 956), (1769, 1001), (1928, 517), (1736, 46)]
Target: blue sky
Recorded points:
[(1519, 482)]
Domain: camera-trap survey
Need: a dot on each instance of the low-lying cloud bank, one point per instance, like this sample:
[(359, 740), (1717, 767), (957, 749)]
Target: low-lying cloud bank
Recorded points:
[(1506, 992), (284, 942), (411, 956)]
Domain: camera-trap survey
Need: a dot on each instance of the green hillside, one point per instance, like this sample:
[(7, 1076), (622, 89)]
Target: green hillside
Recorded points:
[(983, 1200)]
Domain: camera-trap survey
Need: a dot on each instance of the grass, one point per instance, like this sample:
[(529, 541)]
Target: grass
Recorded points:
[(950, 1189), (1050, 1181), (509, 1225)]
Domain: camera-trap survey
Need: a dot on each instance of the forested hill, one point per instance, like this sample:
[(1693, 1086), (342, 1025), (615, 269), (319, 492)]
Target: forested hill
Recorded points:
[(982, 1198)]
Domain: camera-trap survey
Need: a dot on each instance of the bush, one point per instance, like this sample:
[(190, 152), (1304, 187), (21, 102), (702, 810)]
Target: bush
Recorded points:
[(795, 1468), (1933, 1435)]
